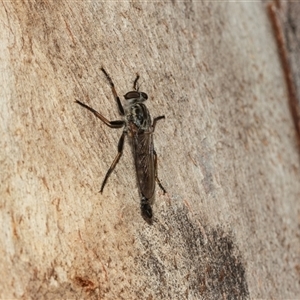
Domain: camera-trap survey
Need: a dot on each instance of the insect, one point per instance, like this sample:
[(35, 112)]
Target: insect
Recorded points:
[(139, 128)]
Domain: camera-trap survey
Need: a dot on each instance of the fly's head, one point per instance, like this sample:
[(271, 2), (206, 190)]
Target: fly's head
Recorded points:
[(135, 97), (137, 114)]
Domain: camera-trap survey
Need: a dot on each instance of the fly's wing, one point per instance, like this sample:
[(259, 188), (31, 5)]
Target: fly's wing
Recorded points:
[(144, 163)]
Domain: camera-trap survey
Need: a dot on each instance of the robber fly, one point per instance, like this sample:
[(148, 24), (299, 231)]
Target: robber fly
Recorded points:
[(138, 126)]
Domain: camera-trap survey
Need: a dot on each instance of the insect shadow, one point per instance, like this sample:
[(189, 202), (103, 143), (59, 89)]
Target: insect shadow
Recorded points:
[(139, 128)]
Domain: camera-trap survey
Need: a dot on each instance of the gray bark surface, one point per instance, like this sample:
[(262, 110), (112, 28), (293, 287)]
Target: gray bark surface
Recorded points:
[(228, 228)]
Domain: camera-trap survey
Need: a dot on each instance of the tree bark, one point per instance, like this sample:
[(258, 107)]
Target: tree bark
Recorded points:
[(227, 153)]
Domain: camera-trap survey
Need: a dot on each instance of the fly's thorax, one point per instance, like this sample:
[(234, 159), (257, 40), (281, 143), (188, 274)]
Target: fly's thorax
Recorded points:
[(138, 115)]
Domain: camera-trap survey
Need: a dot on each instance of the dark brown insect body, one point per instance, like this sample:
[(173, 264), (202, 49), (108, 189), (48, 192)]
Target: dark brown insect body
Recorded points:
[(137, 124)]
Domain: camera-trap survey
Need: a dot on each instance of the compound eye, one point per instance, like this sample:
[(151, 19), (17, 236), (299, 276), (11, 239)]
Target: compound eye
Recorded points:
[(132, 95), (144, 95)]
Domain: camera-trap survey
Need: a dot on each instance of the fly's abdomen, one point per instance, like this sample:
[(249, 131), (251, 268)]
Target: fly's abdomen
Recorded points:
[(144, 163)]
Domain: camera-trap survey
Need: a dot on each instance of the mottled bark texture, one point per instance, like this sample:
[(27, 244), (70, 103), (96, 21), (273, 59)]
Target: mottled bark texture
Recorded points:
[(228, 228)]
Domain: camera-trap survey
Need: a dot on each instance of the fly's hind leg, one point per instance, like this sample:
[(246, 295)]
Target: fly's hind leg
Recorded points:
[(155, 172), (155, 155), (114, 163)]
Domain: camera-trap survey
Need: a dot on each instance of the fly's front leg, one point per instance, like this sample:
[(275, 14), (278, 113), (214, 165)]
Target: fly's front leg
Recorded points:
[(155, 120), (111, 124), (114, 163), (120, 107), (155, 172), (135, 85)]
